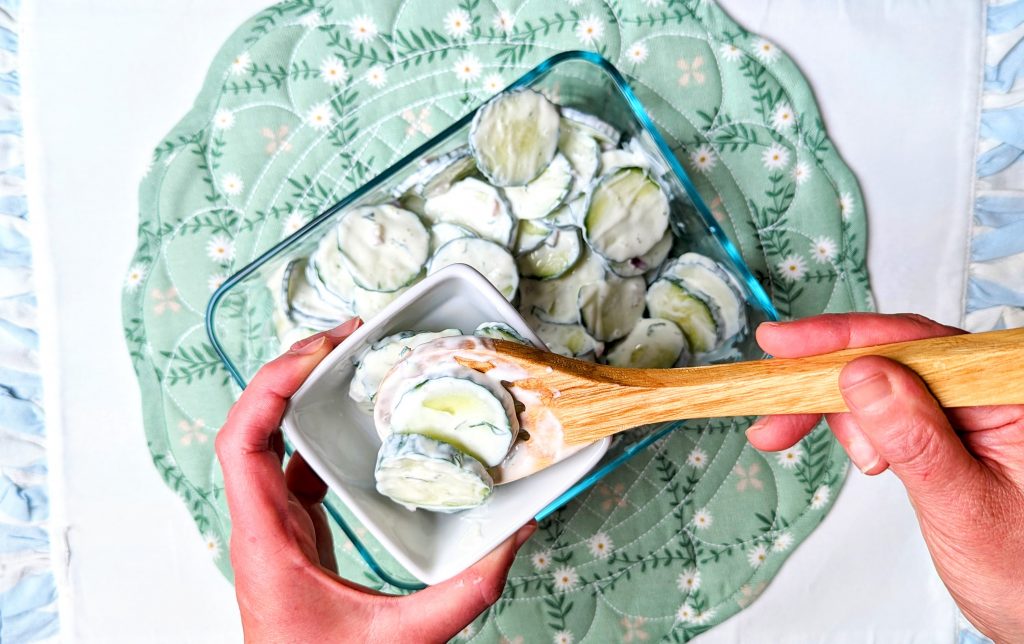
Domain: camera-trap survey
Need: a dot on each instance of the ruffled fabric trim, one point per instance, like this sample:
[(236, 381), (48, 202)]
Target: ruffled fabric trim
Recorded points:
[(28, 608)]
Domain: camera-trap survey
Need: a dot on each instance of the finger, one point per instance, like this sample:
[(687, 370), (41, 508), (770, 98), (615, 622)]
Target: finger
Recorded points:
[(324, 538), (970, 419), (905, 424), (303, 482), (246, 446), (834, 332), (455, 603), (776, 433), (309, 490), (856, 443), (257, 413)]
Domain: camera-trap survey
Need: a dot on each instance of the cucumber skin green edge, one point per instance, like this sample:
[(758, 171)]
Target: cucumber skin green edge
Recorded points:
[(695, 298)]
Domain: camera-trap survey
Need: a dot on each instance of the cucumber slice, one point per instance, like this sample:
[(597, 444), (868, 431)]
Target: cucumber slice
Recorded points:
[(476, 418), (442, 233), (437, 173), (607, 135), (380, 357), (553, 258), (301, 302), (627, 214), (420, 472), (584, 155), (571, 214), (514, 137), (544, 194), (612, 160), (530, 235), (439, 176), (643, 147), (702, 275), (383, 247), (500, 331), (611, 308), (473, 204), (651, 260), (330, 278), (367, 304), (566, 215), (414, 203), (569, 340), (669, 298), (653, 343), (490, 259), (554, 300)]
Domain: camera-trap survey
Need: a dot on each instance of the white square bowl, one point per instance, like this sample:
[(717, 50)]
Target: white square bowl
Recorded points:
[(340, 443)]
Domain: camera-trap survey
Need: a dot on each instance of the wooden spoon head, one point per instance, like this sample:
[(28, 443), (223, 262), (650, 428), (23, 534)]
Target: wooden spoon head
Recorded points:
[(535, 378)]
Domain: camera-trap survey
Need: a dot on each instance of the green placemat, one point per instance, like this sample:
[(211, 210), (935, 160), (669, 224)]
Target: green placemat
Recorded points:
[(311, 97)]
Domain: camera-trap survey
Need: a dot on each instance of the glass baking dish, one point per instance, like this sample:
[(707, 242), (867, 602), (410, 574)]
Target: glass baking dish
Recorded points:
[(239, 315)]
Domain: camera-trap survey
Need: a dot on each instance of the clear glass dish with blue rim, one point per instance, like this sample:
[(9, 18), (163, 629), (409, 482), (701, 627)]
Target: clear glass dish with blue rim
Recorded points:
[(239, 314)]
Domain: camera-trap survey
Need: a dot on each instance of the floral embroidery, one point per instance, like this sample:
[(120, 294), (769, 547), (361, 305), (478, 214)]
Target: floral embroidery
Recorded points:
[(165, 301), (633, 629), (692, 70), (748, 477), (193, 432), (277, 140), (418, 122)]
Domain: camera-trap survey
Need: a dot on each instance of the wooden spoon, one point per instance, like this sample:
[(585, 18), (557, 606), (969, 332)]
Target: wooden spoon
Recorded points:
[(592, 401)]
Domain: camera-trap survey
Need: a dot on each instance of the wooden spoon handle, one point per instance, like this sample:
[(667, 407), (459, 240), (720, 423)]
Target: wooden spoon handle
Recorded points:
[(961, 371)]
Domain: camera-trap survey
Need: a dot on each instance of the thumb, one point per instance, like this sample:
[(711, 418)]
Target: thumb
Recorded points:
[(455, 603), (908, 429)]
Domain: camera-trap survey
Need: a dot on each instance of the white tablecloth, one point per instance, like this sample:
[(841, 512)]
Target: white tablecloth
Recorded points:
[(105, 79)]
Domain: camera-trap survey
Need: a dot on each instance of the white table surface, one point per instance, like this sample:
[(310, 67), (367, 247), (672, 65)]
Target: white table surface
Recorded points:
[(106, 79)]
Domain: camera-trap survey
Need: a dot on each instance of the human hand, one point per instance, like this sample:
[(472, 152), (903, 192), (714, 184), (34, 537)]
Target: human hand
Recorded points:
[(963, 468), (286, 578)]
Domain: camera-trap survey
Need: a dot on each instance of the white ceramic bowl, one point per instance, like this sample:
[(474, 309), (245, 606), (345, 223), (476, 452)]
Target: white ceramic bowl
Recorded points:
[(339, 441)]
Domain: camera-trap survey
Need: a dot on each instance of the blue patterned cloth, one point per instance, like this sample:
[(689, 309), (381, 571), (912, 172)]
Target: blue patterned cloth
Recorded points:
[(27, 591), (995, 287)]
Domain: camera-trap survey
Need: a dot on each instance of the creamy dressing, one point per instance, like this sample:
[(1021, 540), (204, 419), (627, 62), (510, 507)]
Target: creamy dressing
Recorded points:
[(384, 247), (611, 308), (473, 204), (459, 406), (545, 193), (546, 444), (652, 344), (515, 138), (380, 358), (627, 215), (491, 260), (420, 472)]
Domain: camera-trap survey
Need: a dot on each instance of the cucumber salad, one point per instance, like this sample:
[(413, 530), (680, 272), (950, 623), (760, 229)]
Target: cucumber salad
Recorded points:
[(446, 430), (570, 220)]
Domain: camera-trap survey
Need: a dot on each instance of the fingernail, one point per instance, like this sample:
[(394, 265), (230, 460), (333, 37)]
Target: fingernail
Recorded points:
[(525, 533), (310, 348), (346, 329), (770, 325), (303, 342), (870, 394), (862, 453)]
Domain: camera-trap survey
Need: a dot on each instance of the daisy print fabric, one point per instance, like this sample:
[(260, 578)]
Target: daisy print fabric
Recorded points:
[(311, 98)]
